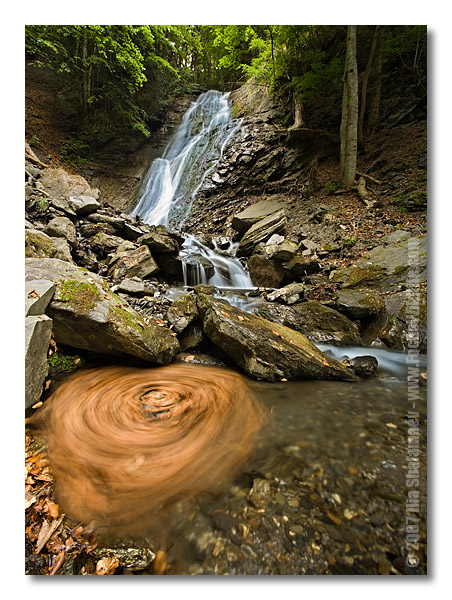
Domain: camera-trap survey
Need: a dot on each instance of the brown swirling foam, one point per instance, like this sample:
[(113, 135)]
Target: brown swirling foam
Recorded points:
[(124, 442)]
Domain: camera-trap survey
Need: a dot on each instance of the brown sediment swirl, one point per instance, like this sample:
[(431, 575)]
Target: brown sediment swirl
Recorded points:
[(124, 442)]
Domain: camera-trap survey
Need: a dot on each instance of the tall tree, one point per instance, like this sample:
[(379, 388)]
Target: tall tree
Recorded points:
[(375, 82), (349, 122), (364, 83)]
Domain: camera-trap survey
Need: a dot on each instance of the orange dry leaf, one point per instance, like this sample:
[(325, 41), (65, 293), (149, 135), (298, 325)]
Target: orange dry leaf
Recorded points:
[(107, 566), (33, 294), (325, 362), (225, 313), (190, 358), (107, 296), (240, 318), (52, 509)]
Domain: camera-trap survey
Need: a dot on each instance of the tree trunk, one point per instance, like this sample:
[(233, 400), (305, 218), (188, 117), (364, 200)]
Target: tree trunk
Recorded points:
[(364, 85), (349, 123), (375, 83)]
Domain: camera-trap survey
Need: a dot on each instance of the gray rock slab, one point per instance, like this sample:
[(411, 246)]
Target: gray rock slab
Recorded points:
[(38, 329), (242, 221), (38, 294), (88, 315)]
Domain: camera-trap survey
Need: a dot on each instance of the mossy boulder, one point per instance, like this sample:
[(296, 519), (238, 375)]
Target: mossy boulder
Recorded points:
[(405, 321), (386, 268), (182, 312), (265, 272), (265, 350), (359, 304), (88, 315), (138, 262), (320, 324), (39, 245)]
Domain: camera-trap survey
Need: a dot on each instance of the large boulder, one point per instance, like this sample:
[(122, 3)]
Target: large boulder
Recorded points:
[(83, 205), (40, 245), (183, 312), (159, 243), (242, 221), (320, 324), (265, 350), (359, 304), (138, 262), (88, 315), (38, 329), (37, 296), (386, 268), (265, 272), (60, 184), (261, 232), (62, 227), (404, 323)]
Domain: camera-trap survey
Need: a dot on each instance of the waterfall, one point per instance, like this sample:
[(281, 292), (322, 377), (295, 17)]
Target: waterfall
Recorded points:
[(172, 182)]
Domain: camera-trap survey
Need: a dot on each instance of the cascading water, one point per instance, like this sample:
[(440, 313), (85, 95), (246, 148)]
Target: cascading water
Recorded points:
[(173, 181)]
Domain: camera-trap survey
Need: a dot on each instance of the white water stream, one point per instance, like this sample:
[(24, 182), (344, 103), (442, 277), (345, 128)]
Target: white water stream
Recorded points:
[(174, 179)]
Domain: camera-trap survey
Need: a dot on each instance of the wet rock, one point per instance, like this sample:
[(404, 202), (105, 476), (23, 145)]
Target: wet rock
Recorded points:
[(171, 267), (359, 304), (261, 232), (133, 263), (319, 323), (203, 288), (242, 221), (38, 294), (183, 312), (130, 557), (159, 243), (192, 336), (62, 227), (38, 329), (265, 350), (365, 366), (88, 315), (290, 294), (395, 330), (265, 272)]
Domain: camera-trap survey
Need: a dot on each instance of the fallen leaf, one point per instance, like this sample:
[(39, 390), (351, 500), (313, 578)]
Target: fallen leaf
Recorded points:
[(76, 361), (107, 296), (240, 318), (225, 313), (107, 566), (37, 405), (48, 384), (53, 510), (190, 358), (325, 362), (47, 530), (284, 379), (33, 294)]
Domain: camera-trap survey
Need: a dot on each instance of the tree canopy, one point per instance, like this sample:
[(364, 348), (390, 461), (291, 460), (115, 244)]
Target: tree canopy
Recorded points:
[(126, 75)]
